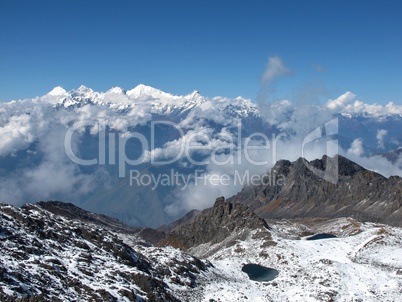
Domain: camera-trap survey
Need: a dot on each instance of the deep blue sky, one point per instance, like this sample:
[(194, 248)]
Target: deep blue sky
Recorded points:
[(217, 47)]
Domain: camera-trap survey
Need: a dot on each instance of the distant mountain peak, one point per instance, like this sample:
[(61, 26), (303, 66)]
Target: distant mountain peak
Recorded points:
[(84, 89), (116, 90), (343, 165), (195, 93), (57, 91), (144, 90)]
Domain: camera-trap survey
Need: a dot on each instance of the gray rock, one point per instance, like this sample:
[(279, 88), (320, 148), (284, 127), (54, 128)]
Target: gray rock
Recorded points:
[(215, 224), (358, 193)]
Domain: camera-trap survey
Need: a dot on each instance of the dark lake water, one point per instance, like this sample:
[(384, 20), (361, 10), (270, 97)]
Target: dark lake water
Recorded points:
[(321, 236), (259, 273)]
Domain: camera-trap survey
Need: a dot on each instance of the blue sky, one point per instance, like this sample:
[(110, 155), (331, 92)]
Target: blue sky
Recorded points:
[(216, 47)]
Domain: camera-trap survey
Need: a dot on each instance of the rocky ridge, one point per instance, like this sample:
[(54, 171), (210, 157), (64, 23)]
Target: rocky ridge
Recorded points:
[(357, 192), (217, 224), (71, 211)]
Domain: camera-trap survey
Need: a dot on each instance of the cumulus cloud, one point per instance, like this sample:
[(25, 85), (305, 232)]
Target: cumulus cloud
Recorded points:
[(347, 103), (381, 133), (356, 148), (341, 102), (16, 134)]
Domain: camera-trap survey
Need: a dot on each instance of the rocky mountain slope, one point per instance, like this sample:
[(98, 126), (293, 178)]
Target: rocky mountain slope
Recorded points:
[(69, 256), (359, 193), (217, 224), (70, 211), (44, 256)]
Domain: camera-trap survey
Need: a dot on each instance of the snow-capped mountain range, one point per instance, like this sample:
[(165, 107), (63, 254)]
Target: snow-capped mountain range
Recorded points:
[(155, 100), (35, 164)]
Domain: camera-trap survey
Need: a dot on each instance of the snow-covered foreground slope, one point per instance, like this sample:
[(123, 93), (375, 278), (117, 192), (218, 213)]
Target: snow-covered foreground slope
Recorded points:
[(46, 257), (49, 257), (363, 264)]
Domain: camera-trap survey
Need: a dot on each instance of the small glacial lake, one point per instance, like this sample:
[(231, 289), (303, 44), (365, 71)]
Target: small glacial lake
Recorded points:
[(259, 273), (321, 236)]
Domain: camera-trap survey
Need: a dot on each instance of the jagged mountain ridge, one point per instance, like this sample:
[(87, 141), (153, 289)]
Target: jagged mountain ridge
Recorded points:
[(71, 211), (214, 225), (359, 193), (157, 101)]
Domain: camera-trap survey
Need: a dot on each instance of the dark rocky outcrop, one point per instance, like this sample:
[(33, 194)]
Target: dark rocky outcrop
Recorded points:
[(305, 191), (215, 224)]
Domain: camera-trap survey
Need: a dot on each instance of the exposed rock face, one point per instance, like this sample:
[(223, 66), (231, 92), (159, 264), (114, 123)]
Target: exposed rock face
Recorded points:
[(215, 224), (358, 193)]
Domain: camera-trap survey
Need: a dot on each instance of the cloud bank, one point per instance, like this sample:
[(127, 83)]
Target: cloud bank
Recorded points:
[(35, 165)]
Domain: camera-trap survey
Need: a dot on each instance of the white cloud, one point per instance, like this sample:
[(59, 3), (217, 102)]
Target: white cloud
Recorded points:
[(274, 69), (347, 103), (381, 133), (37, 121), (356, 148), (16, 134), (220, 180), (341, 102)]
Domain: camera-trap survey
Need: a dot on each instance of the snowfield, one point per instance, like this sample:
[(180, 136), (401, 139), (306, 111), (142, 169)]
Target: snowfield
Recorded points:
[(363, 264)]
